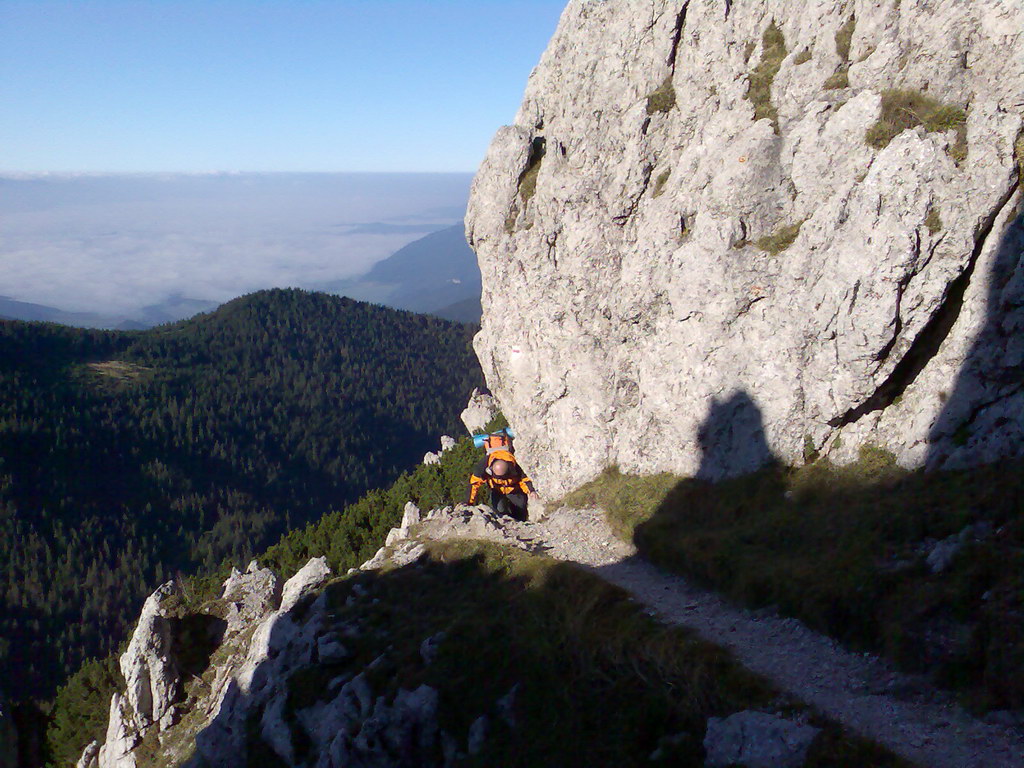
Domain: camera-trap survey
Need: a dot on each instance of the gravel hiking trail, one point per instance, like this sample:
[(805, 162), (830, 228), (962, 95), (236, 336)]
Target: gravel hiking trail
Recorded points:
[(904, 713)]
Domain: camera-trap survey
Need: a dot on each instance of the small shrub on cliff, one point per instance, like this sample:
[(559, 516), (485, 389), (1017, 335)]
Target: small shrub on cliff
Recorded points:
[(839, 79), (780, 239), (659, 183), (759, 89), (844, 38), (663, 99), (903, 110)]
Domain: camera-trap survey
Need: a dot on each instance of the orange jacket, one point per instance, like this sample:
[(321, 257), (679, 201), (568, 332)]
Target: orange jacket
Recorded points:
[(515, 480)]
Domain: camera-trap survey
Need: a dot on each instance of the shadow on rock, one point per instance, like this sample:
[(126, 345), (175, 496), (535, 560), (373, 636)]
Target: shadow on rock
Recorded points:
[(983, 416)]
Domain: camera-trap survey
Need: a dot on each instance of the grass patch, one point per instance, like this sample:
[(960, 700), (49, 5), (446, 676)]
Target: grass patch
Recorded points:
[(659, 183), (844, 38), (576, 647), (780, 239), (759, 88), (111, 376), (527, 182), (933, 221), (838, 79), (663, 98), (904, 110), (629, 496), (842, 548)]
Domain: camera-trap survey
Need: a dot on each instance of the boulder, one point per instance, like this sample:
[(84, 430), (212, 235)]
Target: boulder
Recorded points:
[(250, 595), (310, 576), (757, 740), (410, 516)]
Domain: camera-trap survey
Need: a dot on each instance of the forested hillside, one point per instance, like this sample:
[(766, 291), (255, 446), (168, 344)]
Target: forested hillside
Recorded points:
[(125, 457)]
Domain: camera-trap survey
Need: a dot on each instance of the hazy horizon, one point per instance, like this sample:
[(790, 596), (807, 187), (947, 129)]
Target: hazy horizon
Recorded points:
[(120, 244)]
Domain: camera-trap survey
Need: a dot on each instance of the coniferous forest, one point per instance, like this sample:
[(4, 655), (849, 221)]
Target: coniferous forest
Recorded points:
[(129, 457)]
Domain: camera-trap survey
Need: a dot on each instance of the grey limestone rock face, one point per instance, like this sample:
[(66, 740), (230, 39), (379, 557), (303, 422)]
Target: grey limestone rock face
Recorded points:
[(148, 665), (89, 756), (250, 595), (479, 411), (713, 266), (313, 574), (123, 733)]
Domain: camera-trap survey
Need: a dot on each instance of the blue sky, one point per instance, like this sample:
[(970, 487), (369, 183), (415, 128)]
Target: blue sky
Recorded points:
[(227, 85)]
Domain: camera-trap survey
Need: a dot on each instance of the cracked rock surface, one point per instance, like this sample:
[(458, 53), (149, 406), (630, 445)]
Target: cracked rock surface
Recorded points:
[(706, 281)]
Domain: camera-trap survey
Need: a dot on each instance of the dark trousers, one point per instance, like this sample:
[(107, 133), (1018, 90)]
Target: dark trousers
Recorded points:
[(512, 504)]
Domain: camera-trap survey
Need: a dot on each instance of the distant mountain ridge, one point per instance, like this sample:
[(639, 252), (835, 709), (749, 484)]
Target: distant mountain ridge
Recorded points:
[(125, 457), (437, 274)]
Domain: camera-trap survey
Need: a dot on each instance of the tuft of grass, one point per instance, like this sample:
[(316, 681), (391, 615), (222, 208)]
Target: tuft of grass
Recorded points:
[(810, 452), (759, 88), (780, 239), (659, 183), (663, 98), (933, 221), (630, 496), (842, 548), (903, 110), (844, 38), (527, 182), (838, 79), (803, 57)]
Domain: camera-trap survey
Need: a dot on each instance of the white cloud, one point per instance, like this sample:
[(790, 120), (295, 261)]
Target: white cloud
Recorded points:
[(116, 245)]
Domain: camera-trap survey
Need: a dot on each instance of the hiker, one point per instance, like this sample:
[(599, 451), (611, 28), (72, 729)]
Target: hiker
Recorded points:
[(506, 479)]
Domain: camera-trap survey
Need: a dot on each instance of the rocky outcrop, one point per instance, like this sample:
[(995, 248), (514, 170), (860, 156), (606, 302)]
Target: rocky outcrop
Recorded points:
[(738, 231), (479, 411), (281, 684), (147, 665)]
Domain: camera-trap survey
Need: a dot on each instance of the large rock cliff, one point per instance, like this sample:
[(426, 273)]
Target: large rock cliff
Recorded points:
[(719, 232)]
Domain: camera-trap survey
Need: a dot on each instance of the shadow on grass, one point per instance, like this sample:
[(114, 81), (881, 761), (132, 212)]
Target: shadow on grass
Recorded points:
[(566, 669), (846, 550)]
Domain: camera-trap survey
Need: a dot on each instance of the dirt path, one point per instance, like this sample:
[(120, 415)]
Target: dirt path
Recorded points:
[(863, 692)]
